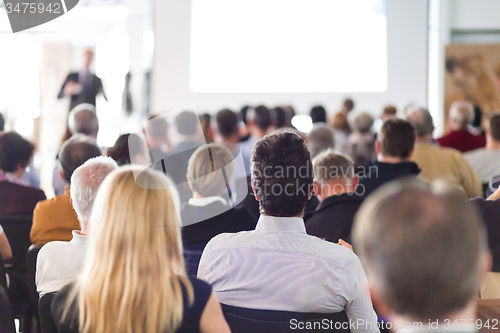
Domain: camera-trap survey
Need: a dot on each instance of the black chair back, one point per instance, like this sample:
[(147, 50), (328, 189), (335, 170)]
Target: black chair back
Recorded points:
[(3, 279), (192, 256), (6, 319), (31, 256), (46, 322), (242, 320), (17, 229)]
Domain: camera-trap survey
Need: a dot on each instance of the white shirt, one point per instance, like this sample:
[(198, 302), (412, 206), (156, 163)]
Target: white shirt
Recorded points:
[(486, 163), (279, 267), (59, 263)]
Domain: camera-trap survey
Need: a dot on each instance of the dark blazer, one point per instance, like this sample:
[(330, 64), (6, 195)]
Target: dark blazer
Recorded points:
[(333, 218), (380, 173), (18, 199), (490, 211), (229, 220), (89, 91)]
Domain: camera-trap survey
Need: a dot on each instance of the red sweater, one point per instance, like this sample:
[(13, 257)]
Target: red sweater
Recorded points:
[(462, 140)]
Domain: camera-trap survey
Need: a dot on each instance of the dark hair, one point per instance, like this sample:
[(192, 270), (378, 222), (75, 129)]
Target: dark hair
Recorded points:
[(156, 127), (397, 138), (390, 110), (227, 122), (2, 123), (120, 150), (282, 174), (318, 114), (280, 116), (14, 151), (262, 117), (478, 116), (348, 104), (74, 152), (494, 126), (187, 122), (243, 113)]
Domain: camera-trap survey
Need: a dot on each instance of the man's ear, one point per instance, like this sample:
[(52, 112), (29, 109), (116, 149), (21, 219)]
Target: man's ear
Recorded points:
[(377, 147), (379, 304), (316, 189), (254, 193), (61, 174), (71, 200), (411, 152)]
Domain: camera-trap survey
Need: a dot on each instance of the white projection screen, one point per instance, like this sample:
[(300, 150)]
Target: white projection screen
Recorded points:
[(229, 53)]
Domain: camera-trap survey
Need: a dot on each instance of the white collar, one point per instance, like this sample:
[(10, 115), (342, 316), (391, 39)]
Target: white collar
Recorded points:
[(283, 224), (200, 202)]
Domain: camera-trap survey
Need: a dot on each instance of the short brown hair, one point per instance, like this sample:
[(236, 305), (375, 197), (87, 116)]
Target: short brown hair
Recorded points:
[(390, 110), (423, 248), (397, 138), (494, 126)]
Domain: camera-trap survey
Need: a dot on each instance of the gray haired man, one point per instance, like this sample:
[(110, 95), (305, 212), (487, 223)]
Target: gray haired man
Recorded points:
[(59, 263)]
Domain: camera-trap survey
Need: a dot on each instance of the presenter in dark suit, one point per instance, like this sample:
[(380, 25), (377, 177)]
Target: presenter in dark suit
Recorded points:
[(82, 86)]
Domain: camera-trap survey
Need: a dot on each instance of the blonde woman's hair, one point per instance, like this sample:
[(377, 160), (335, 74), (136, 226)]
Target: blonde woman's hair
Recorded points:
[(134, 270), (209, 170)]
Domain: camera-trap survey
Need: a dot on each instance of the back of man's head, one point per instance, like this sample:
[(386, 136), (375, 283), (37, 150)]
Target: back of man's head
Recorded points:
[(227, 123), (462, 113), (187, 123), (83, 120), (74, 152), (318, 114), (157, 128), (261, 117), (363, 122), (331, 166), (282, 174), (85, 182), (280, 115), (320, 139), (389, 111), (424, 250), (396, 138), (494, 126), (421, 121), (348, 104)]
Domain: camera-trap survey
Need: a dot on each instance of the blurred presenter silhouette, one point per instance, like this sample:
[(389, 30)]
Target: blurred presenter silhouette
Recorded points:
[(82, 86)]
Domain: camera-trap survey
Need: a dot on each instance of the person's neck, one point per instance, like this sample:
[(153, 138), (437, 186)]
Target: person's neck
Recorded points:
[(234, 139), (258, 133), (391, 159), (424, 139), (469, 312), (454, 127), (492, 144), (335, 188), (18, 173), (196, 195)]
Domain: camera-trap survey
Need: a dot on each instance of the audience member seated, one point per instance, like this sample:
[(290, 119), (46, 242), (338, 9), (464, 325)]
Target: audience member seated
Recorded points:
[(81, 120), (320, 138), (156, 134), (206, 127), (258, 123), (279, 117), (394, 147), (18, 198), (59, 263), (334, 185), (318, 114), (460, 117), (360, 145), (486, 161), (54, 219), (120, 152), (439, 162), (340, 121), (425, 252), (278, 266), (134, 279), (207, 213), (389, 112)]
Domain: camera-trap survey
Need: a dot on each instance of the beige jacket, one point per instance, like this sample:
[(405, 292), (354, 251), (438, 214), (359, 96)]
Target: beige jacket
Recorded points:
[(446, 163)]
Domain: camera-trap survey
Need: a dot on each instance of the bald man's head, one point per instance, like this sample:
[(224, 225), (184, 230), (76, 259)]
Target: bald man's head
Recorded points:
[(422, 121)]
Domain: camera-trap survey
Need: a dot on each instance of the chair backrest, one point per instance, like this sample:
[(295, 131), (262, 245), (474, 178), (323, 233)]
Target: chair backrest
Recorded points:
[(6, 319), (46, 322), (17, 229), (31, 256), (3, 279), (192, 256), (242, 320)]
